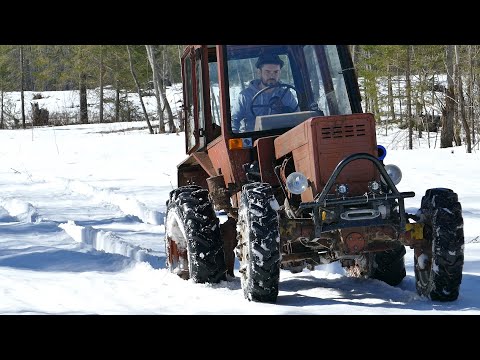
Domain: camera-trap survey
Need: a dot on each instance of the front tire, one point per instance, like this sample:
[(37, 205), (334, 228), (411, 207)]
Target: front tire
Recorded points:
[(439, 262), (258, 246), (193, 242)]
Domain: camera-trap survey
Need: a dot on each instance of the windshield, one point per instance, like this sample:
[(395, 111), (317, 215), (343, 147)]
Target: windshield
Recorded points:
[(284, 84)]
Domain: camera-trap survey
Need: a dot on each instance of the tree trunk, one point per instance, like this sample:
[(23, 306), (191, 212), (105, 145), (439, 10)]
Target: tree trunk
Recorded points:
[(446, 138), (22, 77), (391, 106), (163, 93), (83, 99), (420, 101), (470, 93), (102, 70), (461, 102), (139, 90), (409, 97), (156, 84), (1, 112), (399, 89), (117, 101), (352, 53)]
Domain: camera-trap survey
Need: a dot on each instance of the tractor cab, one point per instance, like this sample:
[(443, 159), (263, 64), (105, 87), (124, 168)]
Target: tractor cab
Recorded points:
[(320, 78)]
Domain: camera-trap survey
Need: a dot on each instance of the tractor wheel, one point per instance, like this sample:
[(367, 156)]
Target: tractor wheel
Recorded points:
[(258, 246), (193, 243), (439, 262), (389, 266)]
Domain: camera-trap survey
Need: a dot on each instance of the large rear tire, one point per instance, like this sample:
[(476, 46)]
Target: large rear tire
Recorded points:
[(439, 262), (258, 246), (193, 242)]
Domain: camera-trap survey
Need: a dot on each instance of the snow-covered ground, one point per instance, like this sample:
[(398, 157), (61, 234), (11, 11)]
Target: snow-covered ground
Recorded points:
[(82, 211), (81, 230)]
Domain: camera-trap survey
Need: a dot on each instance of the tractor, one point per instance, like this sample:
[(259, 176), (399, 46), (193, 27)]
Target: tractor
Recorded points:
[(302, 186)]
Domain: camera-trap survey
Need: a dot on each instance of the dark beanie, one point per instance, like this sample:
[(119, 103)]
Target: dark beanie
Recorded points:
[(268, 59)]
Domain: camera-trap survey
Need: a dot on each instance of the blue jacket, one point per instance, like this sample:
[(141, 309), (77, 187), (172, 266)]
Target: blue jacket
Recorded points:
[(242, 118)]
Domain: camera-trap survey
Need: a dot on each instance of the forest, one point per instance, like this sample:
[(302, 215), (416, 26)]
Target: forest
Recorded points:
[(419, 87)]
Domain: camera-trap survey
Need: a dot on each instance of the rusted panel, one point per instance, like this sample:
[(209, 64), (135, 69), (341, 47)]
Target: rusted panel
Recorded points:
[(320, 143), (205, 162), (266, 159), (217, 152), (291, 140), (372, 233), (335, 137), (229, 163), (291, 229)]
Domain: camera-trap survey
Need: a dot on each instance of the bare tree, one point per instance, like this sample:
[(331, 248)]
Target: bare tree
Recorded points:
[(159, 85), (22, 76), (1, 111), (156, 86), (446, 138), (471, 81), (163, 93), (461, 102), (390, 94), (409, 97), (139, 90), (102, 72), (83, 99)]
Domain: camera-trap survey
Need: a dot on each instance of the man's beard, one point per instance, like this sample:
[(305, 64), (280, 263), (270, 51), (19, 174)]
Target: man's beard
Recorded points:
[(269, 82)]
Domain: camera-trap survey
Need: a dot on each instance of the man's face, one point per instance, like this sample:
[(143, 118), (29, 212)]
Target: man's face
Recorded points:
[(270, 74)]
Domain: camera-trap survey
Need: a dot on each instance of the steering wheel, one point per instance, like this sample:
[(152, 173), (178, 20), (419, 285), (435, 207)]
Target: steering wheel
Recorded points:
[(275, 103)]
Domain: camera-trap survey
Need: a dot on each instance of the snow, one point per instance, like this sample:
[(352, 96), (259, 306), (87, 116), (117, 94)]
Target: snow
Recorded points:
[(82, 212)]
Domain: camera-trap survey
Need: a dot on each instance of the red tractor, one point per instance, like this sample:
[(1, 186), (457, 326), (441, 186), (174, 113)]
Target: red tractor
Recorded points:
[(301, 185)]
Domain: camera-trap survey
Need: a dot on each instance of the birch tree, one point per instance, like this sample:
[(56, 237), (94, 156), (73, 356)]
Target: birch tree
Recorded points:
[(134, 75), (156, 85), (446, 138), (461, 102)]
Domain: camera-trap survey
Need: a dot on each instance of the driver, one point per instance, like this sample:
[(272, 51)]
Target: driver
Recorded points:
[(269, 102)]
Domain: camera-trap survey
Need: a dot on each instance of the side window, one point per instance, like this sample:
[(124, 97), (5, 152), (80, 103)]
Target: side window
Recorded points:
[(200, 106), (340, 89), (189, 115), (326, 79), (214, 93), (316, 79)]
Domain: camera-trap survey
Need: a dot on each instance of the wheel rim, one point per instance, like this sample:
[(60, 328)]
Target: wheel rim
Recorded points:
[(423, 265), (177, 255)]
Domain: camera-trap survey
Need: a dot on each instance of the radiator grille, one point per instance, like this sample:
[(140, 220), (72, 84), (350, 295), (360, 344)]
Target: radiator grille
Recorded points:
[(345, 131)]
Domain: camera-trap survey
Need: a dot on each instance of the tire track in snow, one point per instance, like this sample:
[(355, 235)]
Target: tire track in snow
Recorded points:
[(110, 242), (129, 205), (16, 210), (12, 210)]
